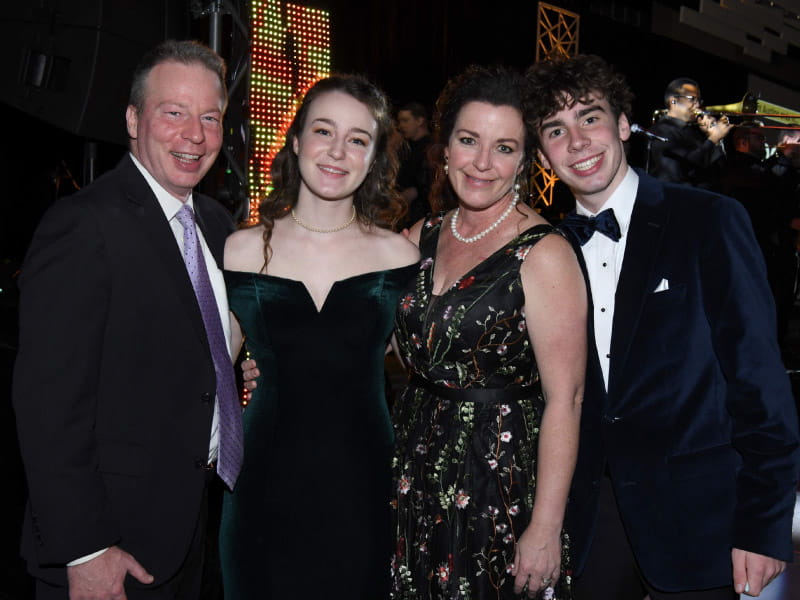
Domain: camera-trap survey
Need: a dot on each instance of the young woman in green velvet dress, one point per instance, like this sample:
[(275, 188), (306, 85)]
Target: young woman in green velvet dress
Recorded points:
[(314, 287)]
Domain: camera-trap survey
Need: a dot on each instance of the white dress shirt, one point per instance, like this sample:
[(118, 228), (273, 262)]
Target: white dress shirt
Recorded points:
[(603, 258)]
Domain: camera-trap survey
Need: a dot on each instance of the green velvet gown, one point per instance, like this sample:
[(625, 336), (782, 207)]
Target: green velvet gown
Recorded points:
[(309, 517)]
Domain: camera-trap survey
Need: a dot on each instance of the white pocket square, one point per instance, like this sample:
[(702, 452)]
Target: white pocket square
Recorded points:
[(662, 287)]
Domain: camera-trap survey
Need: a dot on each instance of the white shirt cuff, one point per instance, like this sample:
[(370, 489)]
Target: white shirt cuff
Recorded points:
[(87, 558)]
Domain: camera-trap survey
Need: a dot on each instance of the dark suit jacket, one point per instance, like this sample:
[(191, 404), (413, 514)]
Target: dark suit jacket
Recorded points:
[(698, 429), (114, 383)]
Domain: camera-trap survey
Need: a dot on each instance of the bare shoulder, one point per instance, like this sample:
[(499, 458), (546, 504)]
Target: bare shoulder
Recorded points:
[(393, 249), (244, 249), (415, 233), (552, 255)]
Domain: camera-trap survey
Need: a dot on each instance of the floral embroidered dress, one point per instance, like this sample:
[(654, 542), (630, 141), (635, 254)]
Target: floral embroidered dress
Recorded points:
[(466, 429)]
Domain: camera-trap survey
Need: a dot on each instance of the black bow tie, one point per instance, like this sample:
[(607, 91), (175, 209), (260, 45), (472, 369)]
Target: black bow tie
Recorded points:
[(584, 227)]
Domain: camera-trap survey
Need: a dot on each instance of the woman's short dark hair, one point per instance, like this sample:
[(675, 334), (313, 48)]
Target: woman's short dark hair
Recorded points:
[(564, 82), (496, 85), (376, 200)]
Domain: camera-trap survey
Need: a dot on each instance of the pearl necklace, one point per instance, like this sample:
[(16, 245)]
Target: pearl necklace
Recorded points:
[(477, 236), (318, 230)]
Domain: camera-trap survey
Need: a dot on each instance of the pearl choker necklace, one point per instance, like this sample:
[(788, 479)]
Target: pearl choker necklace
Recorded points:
[(317, 230), (477, 236)]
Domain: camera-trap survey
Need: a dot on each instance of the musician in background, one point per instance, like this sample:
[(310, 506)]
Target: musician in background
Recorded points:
[(744, 177), (783, 172), (693, 153), (785, 162)]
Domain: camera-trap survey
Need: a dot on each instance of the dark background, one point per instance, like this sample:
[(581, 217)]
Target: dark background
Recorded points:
[(409, 48)]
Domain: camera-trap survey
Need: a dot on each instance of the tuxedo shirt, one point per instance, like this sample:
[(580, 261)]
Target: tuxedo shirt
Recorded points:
[(603, 257)]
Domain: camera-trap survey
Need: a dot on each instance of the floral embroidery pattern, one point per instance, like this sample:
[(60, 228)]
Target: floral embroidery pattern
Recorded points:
[(465, 471)]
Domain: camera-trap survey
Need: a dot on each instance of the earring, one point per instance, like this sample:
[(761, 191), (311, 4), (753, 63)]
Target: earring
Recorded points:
[(446, 166), (516, 192), (672, 102)]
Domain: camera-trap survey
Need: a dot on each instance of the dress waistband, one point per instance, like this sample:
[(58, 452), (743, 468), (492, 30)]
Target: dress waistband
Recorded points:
[(488, 395)]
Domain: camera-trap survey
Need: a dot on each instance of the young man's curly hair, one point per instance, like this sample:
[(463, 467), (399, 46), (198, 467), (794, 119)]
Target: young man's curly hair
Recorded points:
[(563, 82)]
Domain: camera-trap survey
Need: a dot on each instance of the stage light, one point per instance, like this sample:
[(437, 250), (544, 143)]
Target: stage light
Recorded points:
[(290, 51)]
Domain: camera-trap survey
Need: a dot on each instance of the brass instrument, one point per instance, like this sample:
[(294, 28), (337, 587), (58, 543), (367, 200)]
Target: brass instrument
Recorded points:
[(715, 117), (748, 113), (754, 107)]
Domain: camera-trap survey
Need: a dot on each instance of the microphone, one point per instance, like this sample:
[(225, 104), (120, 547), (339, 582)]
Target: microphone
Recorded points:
[(636, 129)]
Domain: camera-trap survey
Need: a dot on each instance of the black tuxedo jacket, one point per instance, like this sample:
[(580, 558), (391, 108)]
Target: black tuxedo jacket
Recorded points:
[(698, 429), (114, 383)]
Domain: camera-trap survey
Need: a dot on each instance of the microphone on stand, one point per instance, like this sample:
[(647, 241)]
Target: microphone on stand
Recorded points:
[(636, 129)]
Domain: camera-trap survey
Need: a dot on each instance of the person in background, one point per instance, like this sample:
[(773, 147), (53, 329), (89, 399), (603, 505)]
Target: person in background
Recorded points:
[(693, 153), (744, 177), (687, 472), (783, 173), (122, 289), (414, 176)]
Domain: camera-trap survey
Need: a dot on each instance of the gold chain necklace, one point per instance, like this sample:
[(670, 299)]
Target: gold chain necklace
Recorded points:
[(316, 230)]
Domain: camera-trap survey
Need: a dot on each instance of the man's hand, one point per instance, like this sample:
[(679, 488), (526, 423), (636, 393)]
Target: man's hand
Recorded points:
[(249, 373), (715, 129), (103, 577), (753, 571)]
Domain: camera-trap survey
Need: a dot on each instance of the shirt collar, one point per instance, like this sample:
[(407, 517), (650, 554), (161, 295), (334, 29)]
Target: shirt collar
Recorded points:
[(621, 200), (168, 203)]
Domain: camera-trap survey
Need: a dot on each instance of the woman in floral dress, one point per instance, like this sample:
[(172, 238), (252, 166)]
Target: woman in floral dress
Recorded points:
[(493, 329)]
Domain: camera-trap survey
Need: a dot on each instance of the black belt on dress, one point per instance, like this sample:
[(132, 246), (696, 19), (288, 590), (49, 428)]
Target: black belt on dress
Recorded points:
[(472, 394)]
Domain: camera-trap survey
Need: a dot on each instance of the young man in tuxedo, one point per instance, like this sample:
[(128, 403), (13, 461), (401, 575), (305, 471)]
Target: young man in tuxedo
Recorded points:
[(122, 293), (687, 470)]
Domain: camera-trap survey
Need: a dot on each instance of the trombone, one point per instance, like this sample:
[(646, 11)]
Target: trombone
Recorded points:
[(751, 109)]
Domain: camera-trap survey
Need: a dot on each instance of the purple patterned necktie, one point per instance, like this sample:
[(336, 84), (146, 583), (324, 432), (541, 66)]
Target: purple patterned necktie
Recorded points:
[(229, 459)]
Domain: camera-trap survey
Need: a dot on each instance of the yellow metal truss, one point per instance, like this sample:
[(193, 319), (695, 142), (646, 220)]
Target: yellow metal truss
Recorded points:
[(557, 34)]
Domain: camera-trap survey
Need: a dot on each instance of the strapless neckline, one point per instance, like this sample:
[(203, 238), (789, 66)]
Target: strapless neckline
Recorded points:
[(299, 284)]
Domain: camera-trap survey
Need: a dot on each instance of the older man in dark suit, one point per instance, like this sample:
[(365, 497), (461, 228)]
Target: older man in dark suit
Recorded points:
[(122, 294), (687, 469)]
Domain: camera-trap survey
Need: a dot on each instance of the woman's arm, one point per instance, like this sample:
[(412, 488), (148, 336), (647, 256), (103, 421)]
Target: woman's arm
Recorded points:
[(555, 310)]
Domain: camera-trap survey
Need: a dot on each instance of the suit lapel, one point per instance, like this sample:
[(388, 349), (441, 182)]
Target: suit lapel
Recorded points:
[(645, 234), (149, 214)]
